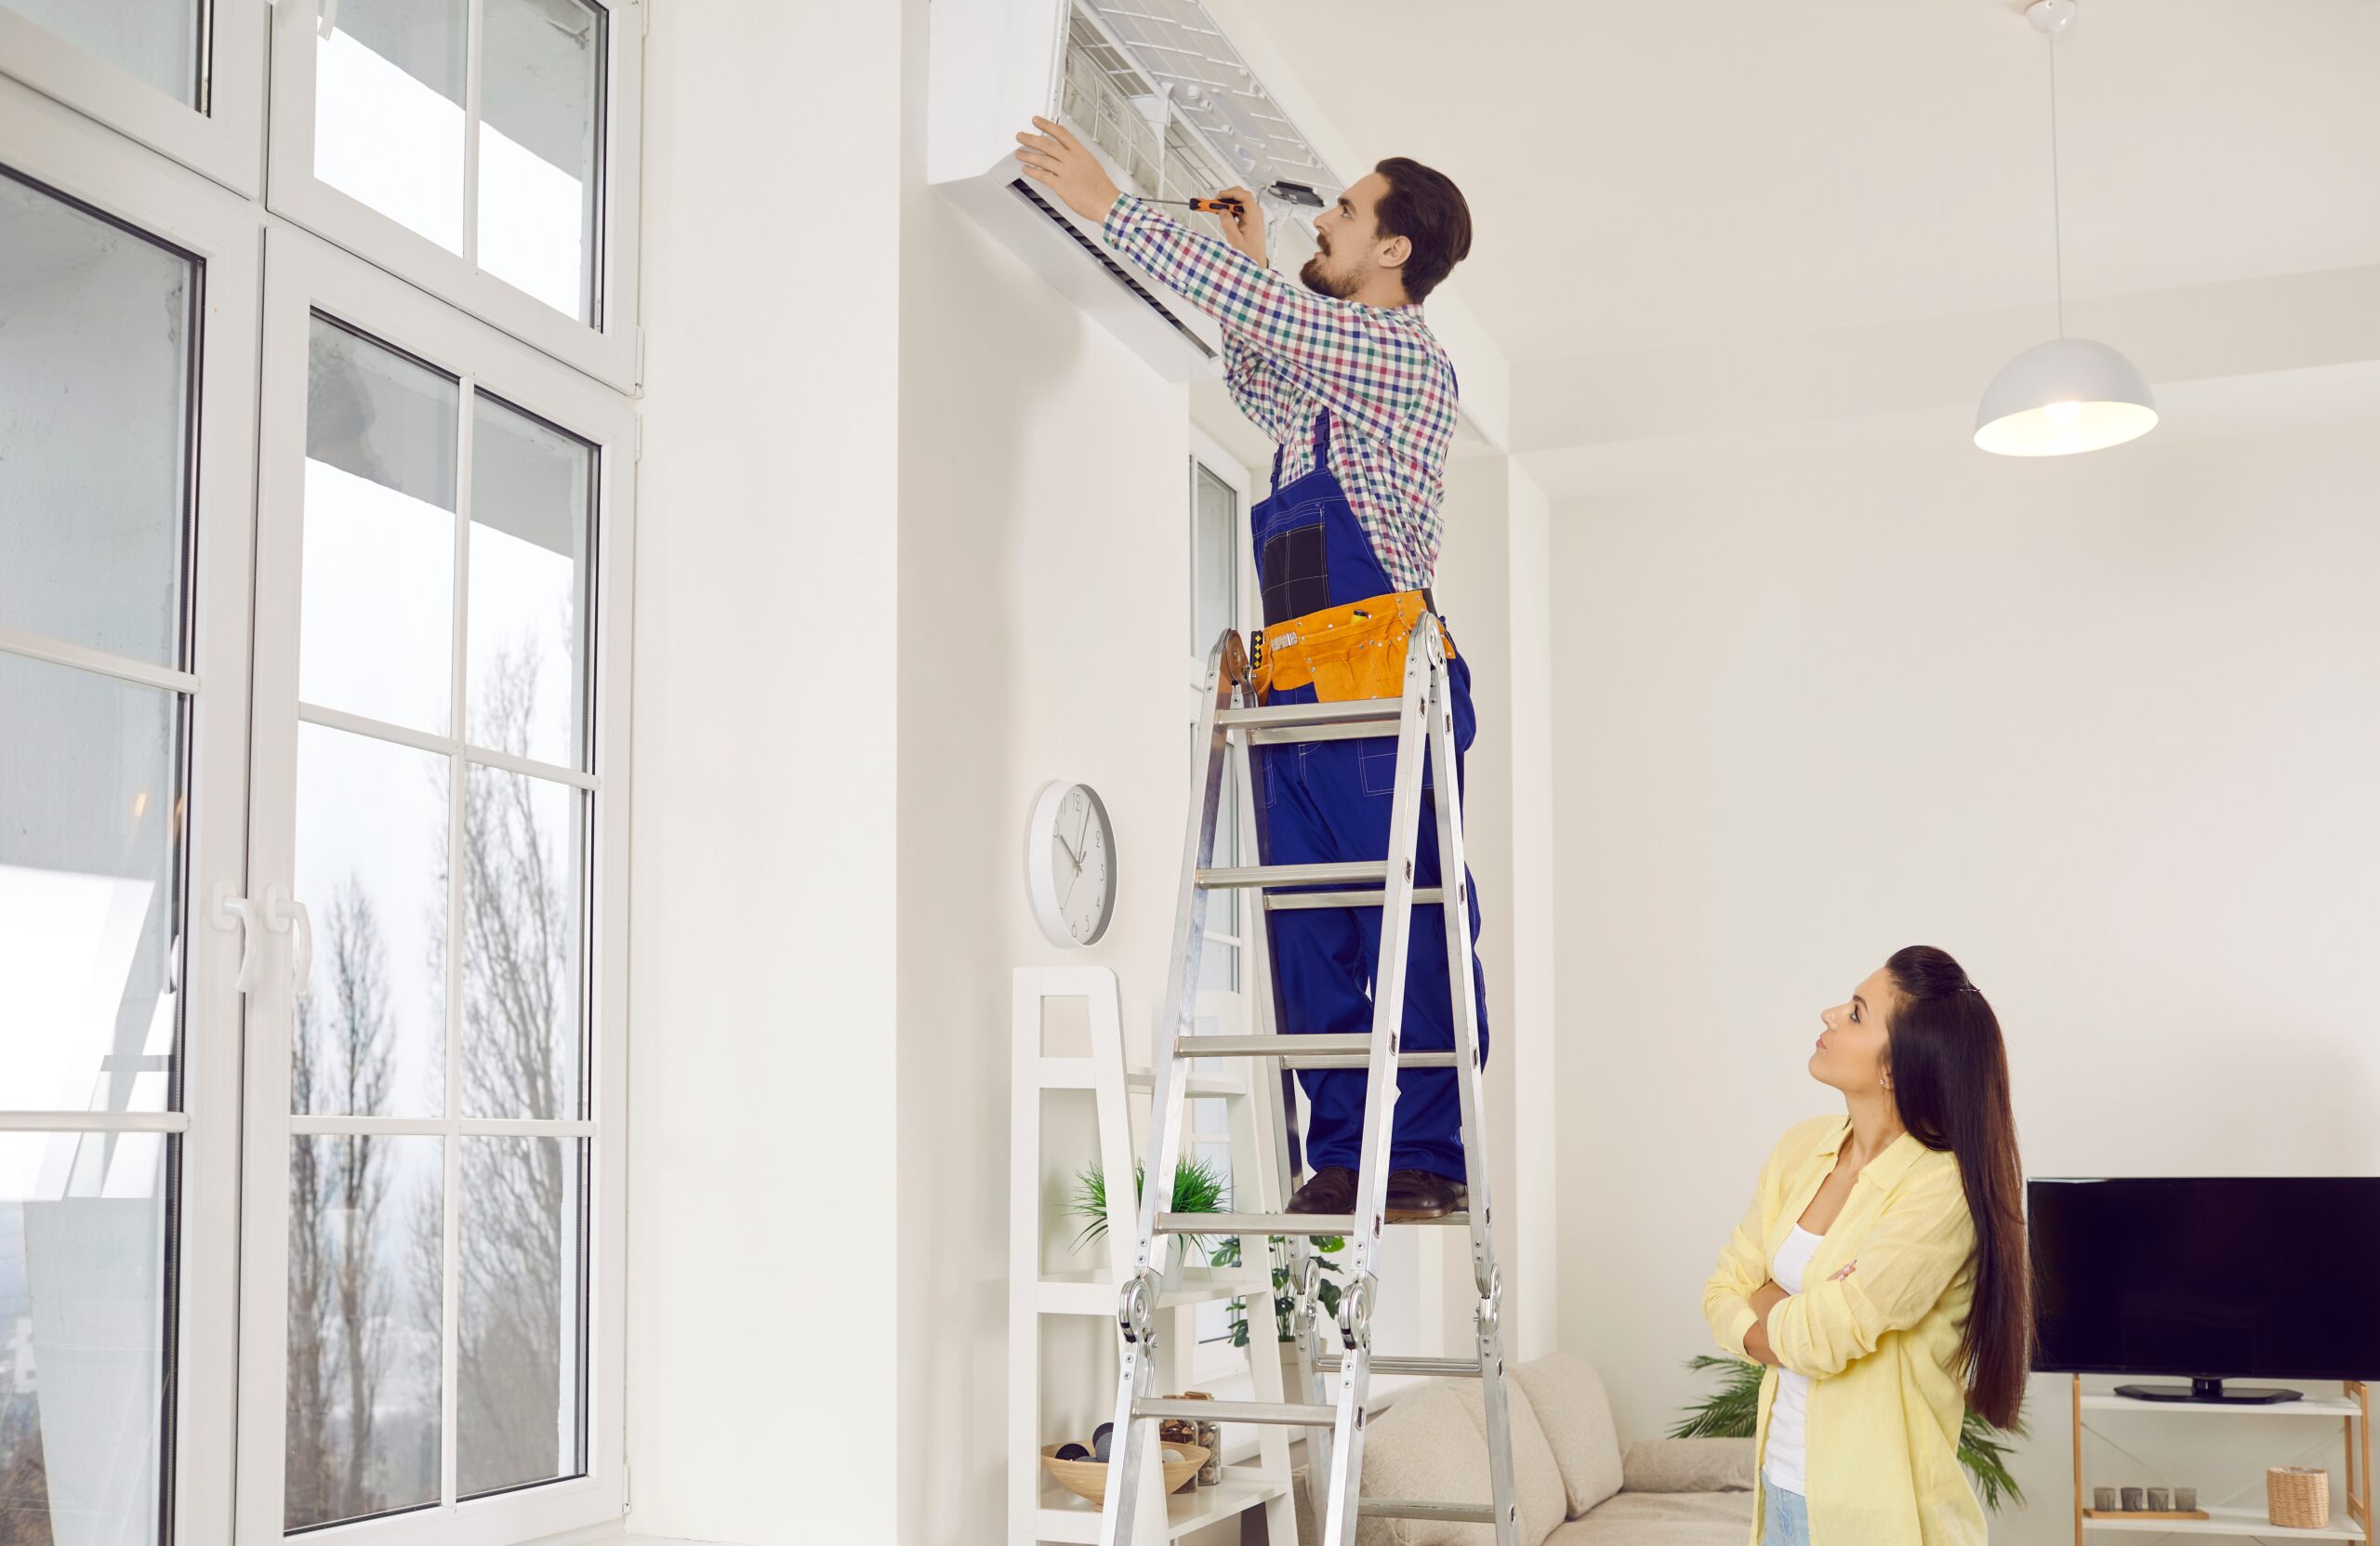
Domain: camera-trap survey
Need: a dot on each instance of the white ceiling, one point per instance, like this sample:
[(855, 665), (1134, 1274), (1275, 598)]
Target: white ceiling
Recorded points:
[(1694, 171), (1669, 188)]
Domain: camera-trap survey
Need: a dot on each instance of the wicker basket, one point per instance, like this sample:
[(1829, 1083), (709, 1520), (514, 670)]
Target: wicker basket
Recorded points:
[(2298, 1496), (1088, 1478)]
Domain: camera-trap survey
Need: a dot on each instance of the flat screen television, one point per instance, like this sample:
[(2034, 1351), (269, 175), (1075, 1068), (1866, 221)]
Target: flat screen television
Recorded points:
[(2214, 1278)]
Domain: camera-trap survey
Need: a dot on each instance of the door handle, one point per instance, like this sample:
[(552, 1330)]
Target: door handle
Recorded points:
[(282, 912), (237, 912)]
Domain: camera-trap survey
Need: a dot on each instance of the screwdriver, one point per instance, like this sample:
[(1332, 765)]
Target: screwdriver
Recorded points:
[(1287, 192), (1203, 206)]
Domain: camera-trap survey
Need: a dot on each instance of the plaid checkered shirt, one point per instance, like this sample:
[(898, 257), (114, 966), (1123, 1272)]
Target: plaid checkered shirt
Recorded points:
[(1291, 353)]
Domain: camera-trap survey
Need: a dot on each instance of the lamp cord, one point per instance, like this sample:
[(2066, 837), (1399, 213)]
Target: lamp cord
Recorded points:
[(2056, 222)]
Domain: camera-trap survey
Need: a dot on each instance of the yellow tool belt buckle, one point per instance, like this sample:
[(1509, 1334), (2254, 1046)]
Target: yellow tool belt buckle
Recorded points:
[(1342, 652)]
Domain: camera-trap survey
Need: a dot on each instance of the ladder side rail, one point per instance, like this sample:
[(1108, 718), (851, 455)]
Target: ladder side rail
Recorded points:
[(1276, 1105), (1132, 1472), (1379, 1093), (1462, 974)]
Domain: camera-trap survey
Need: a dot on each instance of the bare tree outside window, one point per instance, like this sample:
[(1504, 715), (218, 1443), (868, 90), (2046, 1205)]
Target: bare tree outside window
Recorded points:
[(520, 1263)]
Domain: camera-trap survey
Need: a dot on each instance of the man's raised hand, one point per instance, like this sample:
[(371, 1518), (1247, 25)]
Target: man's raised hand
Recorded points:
[(1244, 231), (1055, 158)]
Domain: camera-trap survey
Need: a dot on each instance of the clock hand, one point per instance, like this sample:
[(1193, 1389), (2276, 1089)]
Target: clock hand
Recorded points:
[(1085, 830), (1069, 848)]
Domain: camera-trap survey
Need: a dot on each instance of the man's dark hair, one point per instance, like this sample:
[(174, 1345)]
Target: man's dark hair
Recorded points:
[(1427, 209)]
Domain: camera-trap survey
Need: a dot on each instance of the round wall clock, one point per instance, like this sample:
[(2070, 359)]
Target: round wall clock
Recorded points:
[(1070, 864)]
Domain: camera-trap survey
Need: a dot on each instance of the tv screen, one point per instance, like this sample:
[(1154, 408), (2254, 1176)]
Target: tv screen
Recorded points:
[(2210, 1278)]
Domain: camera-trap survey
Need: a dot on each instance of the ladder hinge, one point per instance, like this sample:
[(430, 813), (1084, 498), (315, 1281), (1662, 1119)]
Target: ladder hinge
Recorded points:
[(640, 435)]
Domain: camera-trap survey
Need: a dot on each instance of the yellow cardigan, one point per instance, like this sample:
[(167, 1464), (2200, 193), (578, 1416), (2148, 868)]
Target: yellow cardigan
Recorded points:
[(1881, 1347)]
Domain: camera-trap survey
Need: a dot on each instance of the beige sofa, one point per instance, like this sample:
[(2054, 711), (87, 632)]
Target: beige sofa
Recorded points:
[(1575, 1486)]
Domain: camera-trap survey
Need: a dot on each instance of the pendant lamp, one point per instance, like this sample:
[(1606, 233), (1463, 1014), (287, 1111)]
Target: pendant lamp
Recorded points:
[(2068, 395)]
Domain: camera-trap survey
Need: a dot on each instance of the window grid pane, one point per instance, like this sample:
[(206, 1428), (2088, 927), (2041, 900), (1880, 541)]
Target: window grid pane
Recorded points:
[(492, 898)]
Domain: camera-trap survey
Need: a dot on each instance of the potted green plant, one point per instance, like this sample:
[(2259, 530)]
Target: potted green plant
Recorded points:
[(1227, 1255), (1733, 1411), (1199, 1186)]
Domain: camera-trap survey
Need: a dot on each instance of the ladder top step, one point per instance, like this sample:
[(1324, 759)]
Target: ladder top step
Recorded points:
[(1355, 873), (1287, 1414), (1296, 715), (1302, 1052)]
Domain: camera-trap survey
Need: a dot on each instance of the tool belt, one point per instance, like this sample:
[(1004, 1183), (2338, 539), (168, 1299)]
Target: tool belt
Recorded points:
[(1344, 652)]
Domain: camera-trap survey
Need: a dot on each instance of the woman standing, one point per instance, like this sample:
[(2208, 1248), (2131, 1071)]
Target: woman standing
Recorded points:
[(1881, 1271)]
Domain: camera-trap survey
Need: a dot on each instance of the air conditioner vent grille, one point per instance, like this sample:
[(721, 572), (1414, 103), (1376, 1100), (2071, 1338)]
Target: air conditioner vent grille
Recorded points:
[(1116, 271)]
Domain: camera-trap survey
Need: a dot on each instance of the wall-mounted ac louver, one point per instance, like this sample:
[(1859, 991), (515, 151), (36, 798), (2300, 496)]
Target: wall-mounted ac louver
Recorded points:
[(1162, 97)]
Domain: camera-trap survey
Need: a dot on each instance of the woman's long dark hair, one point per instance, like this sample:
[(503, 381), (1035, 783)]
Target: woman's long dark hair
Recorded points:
[(1950, 1073)]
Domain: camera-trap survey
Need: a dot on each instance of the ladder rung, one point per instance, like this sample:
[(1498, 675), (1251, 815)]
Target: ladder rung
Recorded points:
[(1383, 1363), (1412, 1508), (1290, 902), (1372, 870), (1245, 1224), (1286, 1414), (1302, 1052), (1306, 715)]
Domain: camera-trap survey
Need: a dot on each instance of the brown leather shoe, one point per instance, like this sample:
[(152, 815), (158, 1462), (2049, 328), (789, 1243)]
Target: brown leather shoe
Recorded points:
[(1328, 1190), (1415, 1195)]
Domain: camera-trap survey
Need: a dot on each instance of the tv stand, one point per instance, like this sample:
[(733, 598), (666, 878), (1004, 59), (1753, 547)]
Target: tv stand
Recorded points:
[(2212, 1390), (2241, 1513)]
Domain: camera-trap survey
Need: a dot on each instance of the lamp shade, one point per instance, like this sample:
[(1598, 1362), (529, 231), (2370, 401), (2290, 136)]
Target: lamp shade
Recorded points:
[(2066, 395)]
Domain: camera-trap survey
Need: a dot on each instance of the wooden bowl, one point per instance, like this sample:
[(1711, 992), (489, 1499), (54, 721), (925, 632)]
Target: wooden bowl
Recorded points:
[(1088, 1478)]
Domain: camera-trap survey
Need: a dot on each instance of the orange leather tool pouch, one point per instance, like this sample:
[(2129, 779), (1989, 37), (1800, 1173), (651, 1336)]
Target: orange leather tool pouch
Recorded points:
[(1342, 652)]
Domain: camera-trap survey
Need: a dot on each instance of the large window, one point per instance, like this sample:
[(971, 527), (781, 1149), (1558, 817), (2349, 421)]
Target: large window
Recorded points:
[(438, 740), (128, 307), (480, 148), (312, 794)]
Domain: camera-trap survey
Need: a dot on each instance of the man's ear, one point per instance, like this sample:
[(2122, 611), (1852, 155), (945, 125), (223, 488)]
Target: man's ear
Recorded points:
[(1394, 252)]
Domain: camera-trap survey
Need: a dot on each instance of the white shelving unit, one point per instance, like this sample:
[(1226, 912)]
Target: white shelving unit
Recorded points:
[(1038, 1509), (2350, 1517)]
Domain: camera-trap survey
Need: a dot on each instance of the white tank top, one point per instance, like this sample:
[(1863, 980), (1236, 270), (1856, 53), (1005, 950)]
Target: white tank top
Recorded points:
[(1787, 1411)]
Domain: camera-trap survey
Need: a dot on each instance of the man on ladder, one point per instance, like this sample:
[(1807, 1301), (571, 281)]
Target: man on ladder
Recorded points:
[(1344, 377)]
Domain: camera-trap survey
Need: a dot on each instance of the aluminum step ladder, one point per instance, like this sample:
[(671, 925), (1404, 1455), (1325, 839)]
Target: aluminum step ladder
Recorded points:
[(1230, 724)]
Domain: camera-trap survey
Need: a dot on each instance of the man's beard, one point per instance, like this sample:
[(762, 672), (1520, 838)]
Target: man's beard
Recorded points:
[(1322, 283)]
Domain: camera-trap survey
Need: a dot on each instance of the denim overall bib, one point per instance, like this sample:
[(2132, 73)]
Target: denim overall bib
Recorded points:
[(1327, 802)]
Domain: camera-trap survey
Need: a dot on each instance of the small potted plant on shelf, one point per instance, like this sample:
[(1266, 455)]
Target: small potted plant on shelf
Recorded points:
[(1199, 1186)]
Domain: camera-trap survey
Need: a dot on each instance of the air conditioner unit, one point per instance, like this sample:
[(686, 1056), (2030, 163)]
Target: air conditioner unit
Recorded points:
[(1154, 88)]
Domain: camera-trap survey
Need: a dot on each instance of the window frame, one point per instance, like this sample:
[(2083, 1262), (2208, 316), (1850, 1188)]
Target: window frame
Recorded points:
[(610, 350), (67, 152), (224, 138), (304, 275)]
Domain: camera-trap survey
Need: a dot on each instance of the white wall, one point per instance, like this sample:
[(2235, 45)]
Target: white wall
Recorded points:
[(762, 1247), (2105, 728), (1492, 588)]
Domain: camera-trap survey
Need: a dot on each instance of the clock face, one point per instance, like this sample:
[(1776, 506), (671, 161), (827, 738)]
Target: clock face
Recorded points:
[(1070, 864)]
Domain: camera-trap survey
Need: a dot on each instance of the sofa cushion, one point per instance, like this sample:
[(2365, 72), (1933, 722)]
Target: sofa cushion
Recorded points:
[(1426, 1448), (1688, 1466), (1537, 1476), (1663, 1519), (1576, 1416)]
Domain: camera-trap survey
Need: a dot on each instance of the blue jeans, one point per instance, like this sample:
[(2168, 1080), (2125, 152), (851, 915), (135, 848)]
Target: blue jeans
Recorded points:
[(1789, 1517)]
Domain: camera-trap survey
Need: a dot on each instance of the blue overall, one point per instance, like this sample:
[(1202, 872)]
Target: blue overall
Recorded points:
[(1327, 802)]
